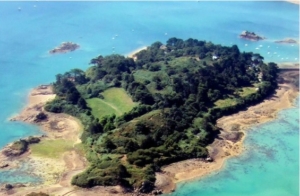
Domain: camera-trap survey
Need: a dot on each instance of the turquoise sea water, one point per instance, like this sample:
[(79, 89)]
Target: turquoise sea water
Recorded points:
[(27, 35)]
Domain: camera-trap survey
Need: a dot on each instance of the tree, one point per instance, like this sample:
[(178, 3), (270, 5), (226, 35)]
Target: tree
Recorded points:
[(108, 144), (73, 96), (82, 103)]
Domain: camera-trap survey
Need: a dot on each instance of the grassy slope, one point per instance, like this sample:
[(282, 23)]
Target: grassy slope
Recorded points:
[(243, 92), (225, 102), (116, 101)]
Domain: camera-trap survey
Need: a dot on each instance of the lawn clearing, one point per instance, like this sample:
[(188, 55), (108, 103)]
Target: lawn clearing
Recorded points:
[(221, 103), (116, 101), (247, 91), (143, 75)]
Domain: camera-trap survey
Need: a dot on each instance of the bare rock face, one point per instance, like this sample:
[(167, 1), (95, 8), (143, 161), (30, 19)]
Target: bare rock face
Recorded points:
[(287, 41), (8, 152), (251, 36), (64, 48), (17, 148)]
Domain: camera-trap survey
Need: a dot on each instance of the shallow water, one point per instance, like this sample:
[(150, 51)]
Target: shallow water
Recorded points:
[(27, 35)]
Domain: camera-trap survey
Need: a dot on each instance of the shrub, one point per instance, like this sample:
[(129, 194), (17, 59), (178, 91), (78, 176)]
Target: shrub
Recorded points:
[(40, 116)]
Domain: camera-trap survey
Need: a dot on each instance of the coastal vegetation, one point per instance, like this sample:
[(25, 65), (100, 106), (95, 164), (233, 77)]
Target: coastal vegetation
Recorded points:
[(160, 108)]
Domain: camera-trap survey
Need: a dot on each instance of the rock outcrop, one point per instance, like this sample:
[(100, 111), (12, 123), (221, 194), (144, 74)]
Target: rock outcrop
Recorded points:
[(287, 41), (18, 148), (64, 48), (251, 36)]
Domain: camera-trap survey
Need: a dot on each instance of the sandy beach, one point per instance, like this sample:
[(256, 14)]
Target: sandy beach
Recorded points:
[(58, 172)]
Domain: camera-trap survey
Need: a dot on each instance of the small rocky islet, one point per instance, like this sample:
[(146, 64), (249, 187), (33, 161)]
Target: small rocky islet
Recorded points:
[(251, 36), (287, 41), (64, 48)]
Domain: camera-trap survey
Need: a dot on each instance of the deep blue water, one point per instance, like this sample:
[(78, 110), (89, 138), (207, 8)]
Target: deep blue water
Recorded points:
[(26, 36)]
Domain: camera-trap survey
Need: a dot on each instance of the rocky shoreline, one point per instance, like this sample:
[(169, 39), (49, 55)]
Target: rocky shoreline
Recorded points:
[(54, 171)]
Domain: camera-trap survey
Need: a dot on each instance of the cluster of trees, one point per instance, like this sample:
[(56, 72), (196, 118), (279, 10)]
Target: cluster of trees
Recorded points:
[(176, 117)]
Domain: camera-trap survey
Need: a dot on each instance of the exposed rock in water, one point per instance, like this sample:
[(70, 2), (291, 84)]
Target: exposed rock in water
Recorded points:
[(65, 47), (251, 36), (287, 41)]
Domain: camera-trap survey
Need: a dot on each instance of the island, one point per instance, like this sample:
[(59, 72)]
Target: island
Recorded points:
[(174, 112), (287, 41), (141, 115), (251, 36), (64, 48)]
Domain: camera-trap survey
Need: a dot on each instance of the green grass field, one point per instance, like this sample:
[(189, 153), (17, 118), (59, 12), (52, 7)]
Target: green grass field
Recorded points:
[(116, 101), (51, 148), (142, 75), (247, 91), (221, 103)]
